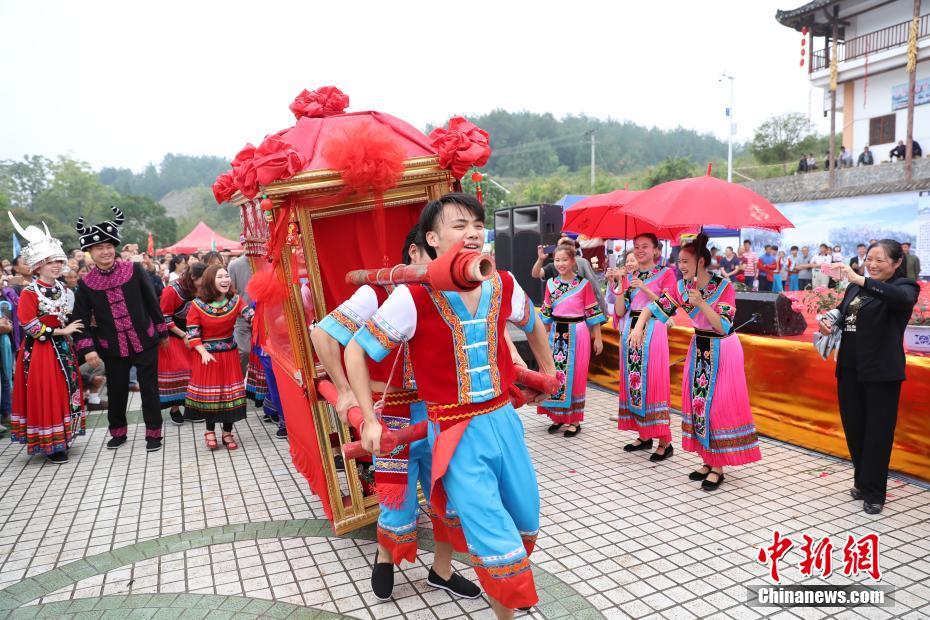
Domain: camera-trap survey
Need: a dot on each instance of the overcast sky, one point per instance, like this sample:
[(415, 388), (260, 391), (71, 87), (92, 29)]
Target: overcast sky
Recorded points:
[(123, 83)]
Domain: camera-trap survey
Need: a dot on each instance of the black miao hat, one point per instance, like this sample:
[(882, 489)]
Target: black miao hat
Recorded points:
[(104, 232)]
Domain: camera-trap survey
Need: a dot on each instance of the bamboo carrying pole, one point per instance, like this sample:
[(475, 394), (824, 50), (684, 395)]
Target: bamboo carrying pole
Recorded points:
[(535, 381)]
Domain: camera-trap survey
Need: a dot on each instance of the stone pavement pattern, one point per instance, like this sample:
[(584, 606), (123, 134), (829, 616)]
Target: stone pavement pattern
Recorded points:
[(186, 532)]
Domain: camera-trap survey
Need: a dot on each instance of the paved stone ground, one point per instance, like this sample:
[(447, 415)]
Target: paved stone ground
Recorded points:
[(186, 532)]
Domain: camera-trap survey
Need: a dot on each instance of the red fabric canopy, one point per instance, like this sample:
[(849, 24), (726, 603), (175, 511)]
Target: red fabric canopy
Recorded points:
[(202, 239), (309, 135)]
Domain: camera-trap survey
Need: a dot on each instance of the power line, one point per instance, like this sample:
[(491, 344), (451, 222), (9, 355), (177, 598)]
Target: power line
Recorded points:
[(539, 144)]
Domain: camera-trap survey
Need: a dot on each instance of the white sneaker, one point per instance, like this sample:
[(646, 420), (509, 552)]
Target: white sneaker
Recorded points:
[(614, 418), (93, 398)]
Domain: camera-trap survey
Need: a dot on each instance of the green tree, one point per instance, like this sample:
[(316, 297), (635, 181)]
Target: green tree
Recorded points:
[(671, 169), (144, 216), (779, 139), (22, 181)]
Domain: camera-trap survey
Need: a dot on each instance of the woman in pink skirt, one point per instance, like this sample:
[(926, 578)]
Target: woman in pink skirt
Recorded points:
[(644, 377), (571, 311), (716, 418)]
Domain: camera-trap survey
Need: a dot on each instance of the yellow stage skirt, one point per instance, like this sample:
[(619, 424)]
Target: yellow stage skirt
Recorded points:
[(793, 395)]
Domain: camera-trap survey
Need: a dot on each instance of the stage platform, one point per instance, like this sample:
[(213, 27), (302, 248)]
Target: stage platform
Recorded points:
[(793, 394)]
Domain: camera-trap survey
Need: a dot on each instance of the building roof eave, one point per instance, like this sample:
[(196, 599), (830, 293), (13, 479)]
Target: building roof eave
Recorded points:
[(806, 15)]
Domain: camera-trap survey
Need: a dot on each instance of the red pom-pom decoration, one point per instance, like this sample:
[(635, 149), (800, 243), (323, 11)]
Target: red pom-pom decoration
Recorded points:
[(325, 101), (477, 177), (802, 62), (266, 204), (265, 287), (461, 146), (224, 187), (804, 30), (367, 156)]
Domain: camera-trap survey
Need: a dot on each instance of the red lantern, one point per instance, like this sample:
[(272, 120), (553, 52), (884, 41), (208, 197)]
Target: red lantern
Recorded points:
[(803, 42), (266, 204), (802, 62), (803, 52), (477, 177)]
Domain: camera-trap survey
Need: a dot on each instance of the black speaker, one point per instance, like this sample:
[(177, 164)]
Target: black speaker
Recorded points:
[(775, 317), (503, 239), (532, 225)]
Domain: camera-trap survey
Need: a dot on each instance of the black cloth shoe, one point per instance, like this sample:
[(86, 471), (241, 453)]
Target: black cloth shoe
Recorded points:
[(58, 458), (554, 429), (152, 444), (855, 493), (697, 475), (636, 447), (572, 433), (382, 579), (281, 434), (872, 509), (194, 417), (657, 458), (177, 417), (707, 485), (455, 585), (116, 442)]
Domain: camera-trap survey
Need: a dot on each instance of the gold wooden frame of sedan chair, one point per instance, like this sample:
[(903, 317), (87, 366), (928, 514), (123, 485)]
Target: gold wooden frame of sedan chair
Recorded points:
[(312, 196)]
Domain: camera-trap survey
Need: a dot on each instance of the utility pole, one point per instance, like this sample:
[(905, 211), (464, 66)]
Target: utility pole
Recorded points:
[(730, 127), (911, 85), (834, 84), (593, 157)]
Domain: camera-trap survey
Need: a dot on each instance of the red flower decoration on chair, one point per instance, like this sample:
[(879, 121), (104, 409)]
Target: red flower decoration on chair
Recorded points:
[(224, 187), (274, 160), (461, 146), (325, 101)]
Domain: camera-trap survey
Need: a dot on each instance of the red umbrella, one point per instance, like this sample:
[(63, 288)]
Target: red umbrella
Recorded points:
[(705, 201), (604, 215)]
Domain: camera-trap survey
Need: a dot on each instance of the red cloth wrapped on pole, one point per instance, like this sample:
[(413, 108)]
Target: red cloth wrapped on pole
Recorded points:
[(453, 271), (535, 381)]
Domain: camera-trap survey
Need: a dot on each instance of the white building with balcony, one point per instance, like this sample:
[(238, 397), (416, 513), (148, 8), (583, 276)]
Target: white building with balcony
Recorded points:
[(871, 51)]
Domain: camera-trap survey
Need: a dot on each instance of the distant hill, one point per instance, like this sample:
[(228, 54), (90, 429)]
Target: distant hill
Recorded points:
[(175, 172), (527, 143)]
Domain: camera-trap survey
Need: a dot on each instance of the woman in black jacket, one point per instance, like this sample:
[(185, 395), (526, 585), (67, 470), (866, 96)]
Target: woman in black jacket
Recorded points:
[(871, 362)]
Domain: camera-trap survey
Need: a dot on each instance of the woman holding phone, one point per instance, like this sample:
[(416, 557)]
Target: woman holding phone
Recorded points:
[(871, 363)]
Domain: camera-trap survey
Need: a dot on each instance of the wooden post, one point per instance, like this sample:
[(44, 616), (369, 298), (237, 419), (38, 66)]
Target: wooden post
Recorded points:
[(834, 61), (911, 86)]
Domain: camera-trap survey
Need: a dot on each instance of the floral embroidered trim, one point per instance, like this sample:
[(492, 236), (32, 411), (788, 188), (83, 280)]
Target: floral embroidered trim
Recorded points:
[(458, 343), (218, 311), (345, 320), (126, 335), (116, 276), (493, 321), (379, 334)]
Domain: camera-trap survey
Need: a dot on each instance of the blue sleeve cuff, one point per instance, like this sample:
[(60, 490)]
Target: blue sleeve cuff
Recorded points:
[(597, 319), (337, 330), (373, 347), (658, 313), (529, 321)]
